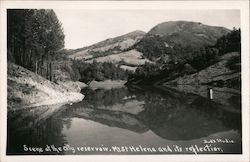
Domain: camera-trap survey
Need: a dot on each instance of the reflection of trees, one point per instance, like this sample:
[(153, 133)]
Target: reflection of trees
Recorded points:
[(104, 97), (213, 110), (33, 134), (67, 122), (170, 114), (175, 115)]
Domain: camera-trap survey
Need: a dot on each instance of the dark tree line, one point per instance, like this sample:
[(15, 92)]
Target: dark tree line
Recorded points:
[(230, 42), (33, 38), (209, 55), (153, 47), (99, 71)]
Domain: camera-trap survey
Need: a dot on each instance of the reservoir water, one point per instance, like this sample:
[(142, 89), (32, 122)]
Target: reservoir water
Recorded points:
[(132, 120)]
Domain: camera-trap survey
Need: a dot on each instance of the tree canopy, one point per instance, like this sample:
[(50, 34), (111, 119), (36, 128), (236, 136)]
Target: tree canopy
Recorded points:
[(34, 36)]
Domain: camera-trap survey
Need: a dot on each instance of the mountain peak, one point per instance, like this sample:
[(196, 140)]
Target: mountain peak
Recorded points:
[(171, 27), (133, 34), (137, 32), (187, 33)]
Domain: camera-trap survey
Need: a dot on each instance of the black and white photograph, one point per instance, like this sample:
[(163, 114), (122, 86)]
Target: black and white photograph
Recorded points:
[(125, 81)]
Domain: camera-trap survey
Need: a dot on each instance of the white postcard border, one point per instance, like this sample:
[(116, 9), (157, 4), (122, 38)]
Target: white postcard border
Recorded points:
[(243, 6)]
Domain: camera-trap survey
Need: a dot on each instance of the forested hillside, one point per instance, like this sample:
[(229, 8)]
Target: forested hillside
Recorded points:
[(35, 54), (178, 38), (34, 37), (189, 60)]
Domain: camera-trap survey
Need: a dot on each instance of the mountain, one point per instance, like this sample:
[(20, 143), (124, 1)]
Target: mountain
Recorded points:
[(109, 46), (185, 32), (138, 47), (217, 65), (166, 37), (173, 47)]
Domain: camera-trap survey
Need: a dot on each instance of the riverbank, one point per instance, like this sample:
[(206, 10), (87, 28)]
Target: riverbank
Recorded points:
[(27, 89)]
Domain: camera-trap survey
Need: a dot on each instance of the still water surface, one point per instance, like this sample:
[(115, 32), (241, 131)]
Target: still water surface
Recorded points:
[(139, 118)]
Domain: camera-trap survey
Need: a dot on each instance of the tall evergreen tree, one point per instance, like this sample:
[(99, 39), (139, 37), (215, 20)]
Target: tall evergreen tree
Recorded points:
[(34, 36)]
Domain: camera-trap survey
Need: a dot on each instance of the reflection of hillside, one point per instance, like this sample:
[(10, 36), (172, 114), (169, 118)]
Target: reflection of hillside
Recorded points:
[(114, 107), (114, 100), (104, 97), (181, 116), (107, 117), (225, 96), (230, 119), (169, 113)]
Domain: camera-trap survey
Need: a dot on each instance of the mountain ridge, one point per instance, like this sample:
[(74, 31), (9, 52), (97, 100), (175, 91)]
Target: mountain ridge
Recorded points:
[(111, 46), (161, 37), (167, 42), (171, 26), (132, 34), (168, 37)]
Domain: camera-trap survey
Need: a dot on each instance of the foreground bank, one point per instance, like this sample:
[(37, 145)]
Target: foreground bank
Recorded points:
[(27, 89)]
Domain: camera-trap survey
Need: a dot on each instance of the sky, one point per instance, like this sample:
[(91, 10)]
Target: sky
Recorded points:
[(86, 27)]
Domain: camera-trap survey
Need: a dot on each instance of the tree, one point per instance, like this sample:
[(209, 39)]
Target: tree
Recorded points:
[(33, 36), (230, 42)]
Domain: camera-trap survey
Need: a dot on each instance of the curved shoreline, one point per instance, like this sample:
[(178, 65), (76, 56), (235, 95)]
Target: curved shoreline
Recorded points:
[(27, 89)]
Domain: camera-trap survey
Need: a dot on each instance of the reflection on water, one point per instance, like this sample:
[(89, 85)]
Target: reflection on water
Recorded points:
[(133, 116)]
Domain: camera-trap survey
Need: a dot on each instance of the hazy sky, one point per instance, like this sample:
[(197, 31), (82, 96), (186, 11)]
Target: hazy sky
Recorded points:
[(86, 27)]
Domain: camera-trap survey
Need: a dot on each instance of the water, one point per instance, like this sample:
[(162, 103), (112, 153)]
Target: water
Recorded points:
[(138, 120)]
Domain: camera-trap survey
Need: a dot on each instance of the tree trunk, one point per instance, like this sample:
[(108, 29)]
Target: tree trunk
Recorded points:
[(21, 57), (42, 63), (51, 71), (30, 61), (36, 66), (13, 49), (39, 67), (47, 74)]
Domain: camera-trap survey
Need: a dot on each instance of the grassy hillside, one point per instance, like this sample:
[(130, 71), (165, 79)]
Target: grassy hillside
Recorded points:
[(108, 47), (118, 50), (131, 57)]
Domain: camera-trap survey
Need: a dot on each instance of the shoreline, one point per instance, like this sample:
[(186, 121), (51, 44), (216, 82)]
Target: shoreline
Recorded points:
[(26, 89)]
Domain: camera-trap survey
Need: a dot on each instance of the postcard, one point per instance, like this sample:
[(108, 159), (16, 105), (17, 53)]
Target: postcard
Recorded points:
[(125, 81)]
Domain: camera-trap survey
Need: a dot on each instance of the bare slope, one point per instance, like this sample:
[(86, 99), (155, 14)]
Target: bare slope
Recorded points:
[(27, 89), (132, 57), (108, 46)]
